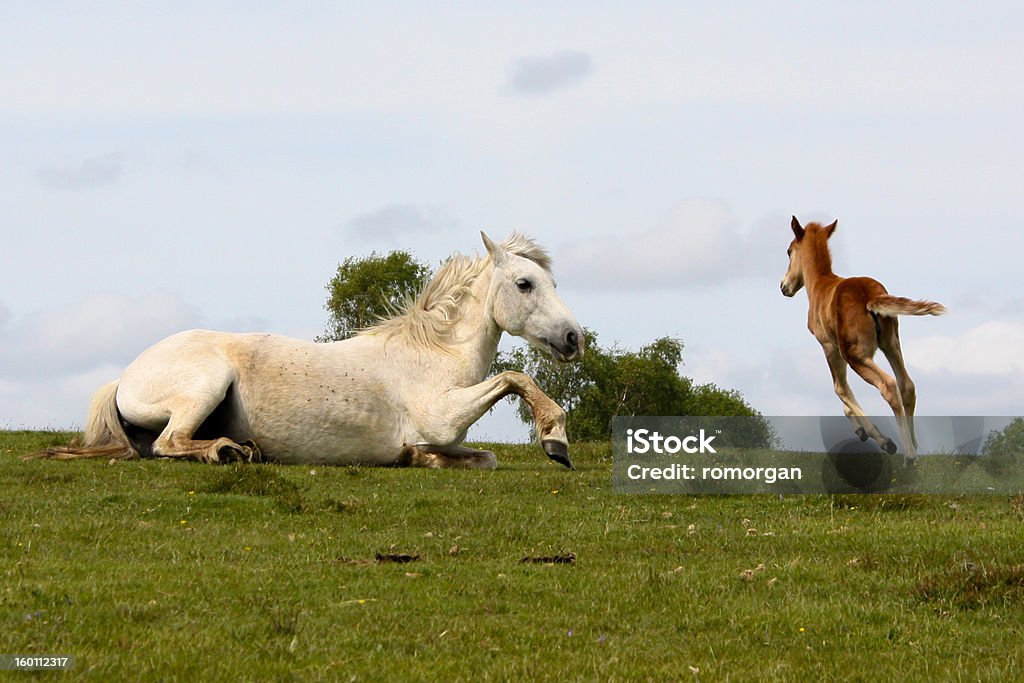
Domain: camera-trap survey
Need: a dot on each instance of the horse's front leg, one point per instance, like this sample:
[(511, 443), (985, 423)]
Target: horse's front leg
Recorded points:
[(449, 457), (465, 406)]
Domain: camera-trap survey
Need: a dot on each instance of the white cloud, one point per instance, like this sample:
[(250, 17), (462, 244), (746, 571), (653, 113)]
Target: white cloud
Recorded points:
[(55, 403), (97, 329), (544, 75), (391, 222), (992, 348), (698, 243), (91, 172), (977, 372)]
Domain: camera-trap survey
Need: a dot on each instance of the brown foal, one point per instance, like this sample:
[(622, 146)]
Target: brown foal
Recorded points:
[(852, 318)]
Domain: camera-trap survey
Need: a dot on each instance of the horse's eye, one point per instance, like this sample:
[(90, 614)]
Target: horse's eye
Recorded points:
[(524, 285), (789, 252)]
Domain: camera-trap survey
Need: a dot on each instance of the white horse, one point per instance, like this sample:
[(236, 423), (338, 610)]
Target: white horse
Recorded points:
[(401, 393)]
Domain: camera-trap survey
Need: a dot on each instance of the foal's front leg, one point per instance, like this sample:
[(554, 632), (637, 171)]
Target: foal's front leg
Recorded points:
[(465, 406)]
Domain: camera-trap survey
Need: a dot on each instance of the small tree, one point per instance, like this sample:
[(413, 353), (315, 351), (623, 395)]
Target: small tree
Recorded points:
[(614, 382), (366, 289), (720, 405), (1004, 449), (610, 382)]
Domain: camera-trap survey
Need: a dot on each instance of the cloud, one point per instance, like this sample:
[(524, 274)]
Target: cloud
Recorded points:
[(992, 348), (91, 172), (57, 403), (979, 371), (698, 243), (391, 222), (544, 75), (97, 329)]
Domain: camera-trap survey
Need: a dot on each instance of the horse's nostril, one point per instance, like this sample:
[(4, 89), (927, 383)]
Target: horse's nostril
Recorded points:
[(571, 339)]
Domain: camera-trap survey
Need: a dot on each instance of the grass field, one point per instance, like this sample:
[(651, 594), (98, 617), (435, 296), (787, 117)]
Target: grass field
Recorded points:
[(173, 571)]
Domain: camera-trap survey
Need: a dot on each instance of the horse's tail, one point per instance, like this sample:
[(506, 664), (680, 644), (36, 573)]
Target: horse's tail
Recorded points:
[(891, 306), (104, 435)]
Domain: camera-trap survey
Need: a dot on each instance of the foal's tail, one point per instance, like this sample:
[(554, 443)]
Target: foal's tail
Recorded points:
[(104, 436), (892, 306)]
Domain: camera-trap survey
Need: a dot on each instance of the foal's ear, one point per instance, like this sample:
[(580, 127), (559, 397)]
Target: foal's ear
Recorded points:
[(798, 229), (831, 228), (496, 252)]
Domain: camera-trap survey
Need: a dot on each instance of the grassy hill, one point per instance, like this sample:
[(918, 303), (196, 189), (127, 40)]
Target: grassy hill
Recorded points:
[(178, 571)]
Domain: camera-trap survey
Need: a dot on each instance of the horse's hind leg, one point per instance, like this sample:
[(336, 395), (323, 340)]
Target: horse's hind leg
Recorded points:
[(889, 342), (862, 426), (176, 441), (886, 385), (176, 405)]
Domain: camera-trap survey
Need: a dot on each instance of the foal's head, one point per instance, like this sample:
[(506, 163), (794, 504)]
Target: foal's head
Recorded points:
[(807, 243), (524, 302)]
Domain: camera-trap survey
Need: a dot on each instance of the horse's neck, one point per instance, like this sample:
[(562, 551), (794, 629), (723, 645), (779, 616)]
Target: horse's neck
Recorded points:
[(817, 267), (475, 335)]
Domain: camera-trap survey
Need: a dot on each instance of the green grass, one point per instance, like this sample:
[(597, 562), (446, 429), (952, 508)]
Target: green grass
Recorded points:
[(173, 571)]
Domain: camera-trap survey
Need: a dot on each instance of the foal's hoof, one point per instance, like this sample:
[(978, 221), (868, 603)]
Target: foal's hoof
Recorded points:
[(861, 433), (557, 451), (889, 446)]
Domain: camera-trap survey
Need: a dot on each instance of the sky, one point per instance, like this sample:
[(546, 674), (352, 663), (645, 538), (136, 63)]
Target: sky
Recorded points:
[(165, 166)]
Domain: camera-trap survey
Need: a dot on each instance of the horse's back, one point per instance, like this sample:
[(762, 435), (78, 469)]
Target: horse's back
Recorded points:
[(300, 401), (852, 294)]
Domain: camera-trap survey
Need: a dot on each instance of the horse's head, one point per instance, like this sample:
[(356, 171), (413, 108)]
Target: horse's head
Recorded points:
[(805, 241), (523, 300)]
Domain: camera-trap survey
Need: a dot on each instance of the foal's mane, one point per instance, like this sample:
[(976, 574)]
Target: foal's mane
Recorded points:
[(820, 254), (428, 319)]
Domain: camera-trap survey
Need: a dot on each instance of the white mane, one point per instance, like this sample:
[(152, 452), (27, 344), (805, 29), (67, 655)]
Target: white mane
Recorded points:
[(427, 320)]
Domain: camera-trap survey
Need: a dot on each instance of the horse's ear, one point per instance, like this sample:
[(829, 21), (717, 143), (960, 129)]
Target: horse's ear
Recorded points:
[(798, 229), (496, 252), (831, 228)]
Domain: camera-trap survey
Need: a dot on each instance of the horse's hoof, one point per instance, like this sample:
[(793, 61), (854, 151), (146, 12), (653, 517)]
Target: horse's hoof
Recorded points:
[(889, 446), (232, 452), (252, 451), (861, 433), (557, 451)]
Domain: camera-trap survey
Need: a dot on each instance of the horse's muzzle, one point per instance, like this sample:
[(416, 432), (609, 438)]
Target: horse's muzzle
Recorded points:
[(569, 348)]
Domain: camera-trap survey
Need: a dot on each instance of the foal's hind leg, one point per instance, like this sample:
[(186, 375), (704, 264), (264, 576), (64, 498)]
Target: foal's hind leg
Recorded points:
[(886, 385), (889, 342), (862, 426)]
